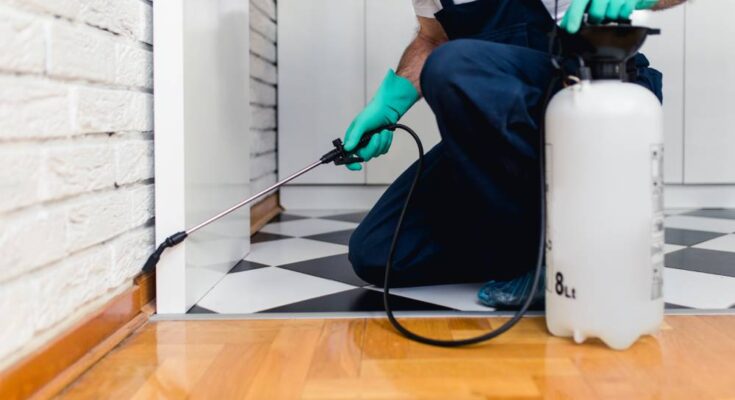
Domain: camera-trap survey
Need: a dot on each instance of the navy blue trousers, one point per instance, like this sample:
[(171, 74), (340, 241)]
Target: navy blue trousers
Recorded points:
[(475, 213)]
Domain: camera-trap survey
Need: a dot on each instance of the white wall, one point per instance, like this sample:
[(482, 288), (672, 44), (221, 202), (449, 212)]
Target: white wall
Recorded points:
[(76, 155), (263, 83), (75, 161)]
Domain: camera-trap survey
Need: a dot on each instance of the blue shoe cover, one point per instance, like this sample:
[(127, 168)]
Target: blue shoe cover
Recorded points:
[(503, 294)]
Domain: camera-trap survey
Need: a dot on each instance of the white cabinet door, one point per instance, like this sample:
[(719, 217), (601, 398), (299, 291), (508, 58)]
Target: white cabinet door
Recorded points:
[(666, 53), (321, 61), (390, 27), (709, 142)]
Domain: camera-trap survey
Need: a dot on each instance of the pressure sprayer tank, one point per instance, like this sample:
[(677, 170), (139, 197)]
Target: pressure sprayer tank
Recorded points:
[(605, 234)]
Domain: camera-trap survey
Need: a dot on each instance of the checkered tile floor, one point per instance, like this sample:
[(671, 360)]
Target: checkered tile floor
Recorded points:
[(298, 264)]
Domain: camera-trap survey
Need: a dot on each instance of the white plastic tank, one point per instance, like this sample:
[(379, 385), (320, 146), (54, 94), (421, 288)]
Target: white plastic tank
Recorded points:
[(605, 234)]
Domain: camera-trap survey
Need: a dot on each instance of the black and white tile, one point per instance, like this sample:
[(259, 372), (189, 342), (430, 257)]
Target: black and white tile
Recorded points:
[(298, 264)]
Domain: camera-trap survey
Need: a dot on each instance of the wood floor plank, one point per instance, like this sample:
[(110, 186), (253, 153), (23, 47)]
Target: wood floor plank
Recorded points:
[(173, 379), (338, 353), (231, 373), (283, 371), (564, 387), (496, 368), (693, 358), (440, 389)]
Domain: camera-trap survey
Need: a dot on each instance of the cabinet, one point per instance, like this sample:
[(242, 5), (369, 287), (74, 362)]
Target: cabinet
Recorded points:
[(321, 82), (390, 27), (709, 116), (666, 53), (697, 58), (333, 55)]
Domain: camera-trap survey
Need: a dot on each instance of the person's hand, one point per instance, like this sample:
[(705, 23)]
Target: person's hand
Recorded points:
[(394, 97), (600, 10)]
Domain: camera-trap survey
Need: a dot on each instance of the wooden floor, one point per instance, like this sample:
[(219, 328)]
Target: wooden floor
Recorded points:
[(691, 358)]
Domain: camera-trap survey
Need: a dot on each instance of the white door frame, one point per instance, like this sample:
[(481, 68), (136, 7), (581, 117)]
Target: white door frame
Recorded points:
[(201, 94)]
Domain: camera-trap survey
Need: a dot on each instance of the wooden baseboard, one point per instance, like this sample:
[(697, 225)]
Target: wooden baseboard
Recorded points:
[(264, 211), (46, 371), (74, 371), (146, 283)]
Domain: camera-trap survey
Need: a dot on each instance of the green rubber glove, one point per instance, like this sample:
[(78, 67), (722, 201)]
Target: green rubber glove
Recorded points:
[(599, 10), (646, 4), (394, 97)]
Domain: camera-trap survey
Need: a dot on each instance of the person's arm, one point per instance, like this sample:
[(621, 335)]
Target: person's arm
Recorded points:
[(664, 4), (398, 92), (430, 36)]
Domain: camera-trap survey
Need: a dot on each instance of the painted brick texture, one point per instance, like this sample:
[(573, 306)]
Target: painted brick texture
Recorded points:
[(263, 100), (76, 160), (76, 154)]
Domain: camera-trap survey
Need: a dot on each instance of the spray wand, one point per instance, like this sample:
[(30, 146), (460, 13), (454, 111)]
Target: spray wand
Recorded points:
[(338, 155)]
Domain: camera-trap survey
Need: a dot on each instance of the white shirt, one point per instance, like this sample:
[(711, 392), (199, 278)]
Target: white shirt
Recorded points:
[(427, 8)]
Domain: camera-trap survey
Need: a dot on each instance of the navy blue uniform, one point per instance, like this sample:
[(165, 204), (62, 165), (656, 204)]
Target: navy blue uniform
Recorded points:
[(474, 216)]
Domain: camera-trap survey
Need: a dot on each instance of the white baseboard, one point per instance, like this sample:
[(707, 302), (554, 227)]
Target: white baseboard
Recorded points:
[(335, 197), (330, 197), (699, 196)]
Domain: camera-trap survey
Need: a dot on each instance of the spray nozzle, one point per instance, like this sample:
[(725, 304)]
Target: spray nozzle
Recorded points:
[(604, 49)]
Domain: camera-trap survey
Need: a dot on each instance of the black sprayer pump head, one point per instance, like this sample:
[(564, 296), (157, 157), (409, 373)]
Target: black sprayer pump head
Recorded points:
[(605, 49)]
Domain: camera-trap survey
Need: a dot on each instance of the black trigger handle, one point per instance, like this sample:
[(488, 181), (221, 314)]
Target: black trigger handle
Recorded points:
[(340, 156)]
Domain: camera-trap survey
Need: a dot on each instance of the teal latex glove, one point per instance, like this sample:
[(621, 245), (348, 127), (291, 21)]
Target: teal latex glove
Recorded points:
[(394, 97), (599, 10)]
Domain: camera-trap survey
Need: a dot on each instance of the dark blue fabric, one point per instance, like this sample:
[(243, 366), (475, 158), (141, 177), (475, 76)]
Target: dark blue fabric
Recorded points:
[(447, 3), (475, 214), (519, 22)]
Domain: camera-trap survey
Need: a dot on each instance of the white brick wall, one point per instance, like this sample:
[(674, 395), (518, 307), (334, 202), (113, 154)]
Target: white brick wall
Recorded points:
[(263, 101), (76, 155), (76, 160)]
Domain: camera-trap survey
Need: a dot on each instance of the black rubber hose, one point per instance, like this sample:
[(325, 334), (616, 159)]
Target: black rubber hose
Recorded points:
[(542, 221), (170, 241), (396, 235)]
